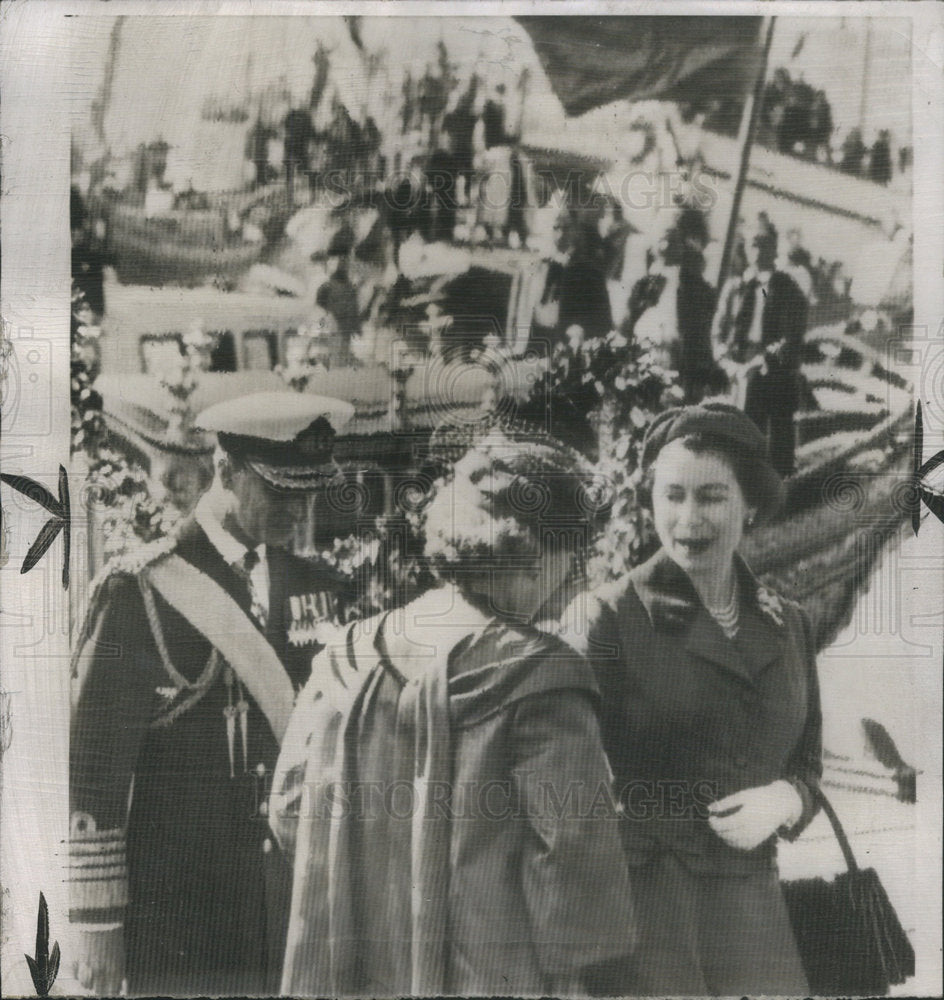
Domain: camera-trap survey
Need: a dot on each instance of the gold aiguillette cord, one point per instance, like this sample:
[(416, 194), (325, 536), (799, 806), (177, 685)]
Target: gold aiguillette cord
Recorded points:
[(229, 713)]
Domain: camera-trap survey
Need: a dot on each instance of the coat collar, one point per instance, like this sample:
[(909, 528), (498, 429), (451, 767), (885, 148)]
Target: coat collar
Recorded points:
[(674, 607), (752, 274), (229, 547)]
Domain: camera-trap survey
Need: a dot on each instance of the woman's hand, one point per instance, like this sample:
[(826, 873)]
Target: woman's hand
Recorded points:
[(747, 818)]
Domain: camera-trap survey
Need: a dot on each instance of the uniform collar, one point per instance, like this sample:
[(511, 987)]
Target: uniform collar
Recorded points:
[(673, 606), (229, 547)]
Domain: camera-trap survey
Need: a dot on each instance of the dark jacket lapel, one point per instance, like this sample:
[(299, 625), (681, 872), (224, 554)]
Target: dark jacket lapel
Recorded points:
[(707, 641), (760, 639), (674, 607)]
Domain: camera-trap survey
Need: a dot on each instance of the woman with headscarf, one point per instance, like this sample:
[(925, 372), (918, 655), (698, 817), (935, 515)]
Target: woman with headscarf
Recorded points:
[(711, 717), (443, 776)]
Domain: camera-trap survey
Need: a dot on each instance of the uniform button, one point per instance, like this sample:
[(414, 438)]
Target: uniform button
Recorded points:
[(263, 808), (267, 846), (261, 769)]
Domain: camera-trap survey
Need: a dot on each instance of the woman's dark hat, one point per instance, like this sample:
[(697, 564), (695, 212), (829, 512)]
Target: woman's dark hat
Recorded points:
[(726, 423)]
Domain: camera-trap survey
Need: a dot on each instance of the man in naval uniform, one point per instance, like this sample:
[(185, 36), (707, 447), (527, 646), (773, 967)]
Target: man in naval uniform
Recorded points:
[(187, 668)]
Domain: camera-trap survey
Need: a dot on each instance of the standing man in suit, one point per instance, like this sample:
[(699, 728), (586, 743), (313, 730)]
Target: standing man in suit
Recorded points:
[(187, 668), (760, 325)]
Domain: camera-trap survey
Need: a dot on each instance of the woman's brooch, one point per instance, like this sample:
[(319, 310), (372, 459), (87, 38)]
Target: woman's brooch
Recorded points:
[(771, 605)]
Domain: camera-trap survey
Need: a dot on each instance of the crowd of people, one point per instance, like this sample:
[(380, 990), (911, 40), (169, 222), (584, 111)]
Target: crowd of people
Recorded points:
[(796, 119), (744, 344), (509, 785), (597, 273), (466, 795)]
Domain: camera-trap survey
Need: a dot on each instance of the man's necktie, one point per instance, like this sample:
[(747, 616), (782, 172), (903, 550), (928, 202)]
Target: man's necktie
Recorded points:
[(745, 316), (237, 707), (258, 605)]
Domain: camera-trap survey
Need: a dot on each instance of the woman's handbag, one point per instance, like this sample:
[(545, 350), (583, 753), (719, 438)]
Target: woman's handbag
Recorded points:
[(848, 934)]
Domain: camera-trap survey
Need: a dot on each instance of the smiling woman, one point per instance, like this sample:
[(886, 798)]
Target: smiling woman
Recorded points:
[(706, 489), (709, 683)]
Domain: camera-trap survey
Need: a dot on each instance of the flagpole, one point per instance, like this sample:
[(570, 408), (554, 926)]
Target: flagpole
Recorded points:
[(866, 65), (746, 133)]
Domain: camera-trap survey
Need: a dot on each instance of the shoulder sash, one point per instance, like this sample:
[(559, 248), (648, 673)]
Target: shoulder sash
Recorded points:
[(216, 616)]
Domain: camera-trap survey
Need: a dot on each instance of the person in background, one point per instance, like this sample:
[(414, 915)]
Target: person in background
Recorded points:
[(459, 123), (493, 120), (672, 309), (338, 297), (187, 666), (821, 128), (759, 327), (880, 161), (794, 129), (711, 719), (853, 153), (257, 151), (772, 110), (493, 876), (798, 262), (575, 292), (615, 231), (765, 225), (441, 174), (299, 133), (88, 257), (501, 190)]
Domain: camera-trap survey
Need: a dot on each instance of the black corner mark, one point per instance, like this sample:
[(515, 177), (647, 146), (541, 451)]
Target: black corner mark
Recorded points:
[(60, 520), (916, 465), (931, 497), (45, 966)]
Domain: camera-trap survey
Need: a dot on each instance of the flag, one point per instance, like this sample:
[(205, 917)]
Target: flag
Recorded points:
[(591, 61)]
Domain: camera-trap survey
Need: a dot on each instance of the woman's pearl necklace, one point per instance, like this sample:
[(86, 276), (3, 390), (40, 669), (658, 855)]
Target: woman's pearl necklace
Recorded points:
[(727, 615)]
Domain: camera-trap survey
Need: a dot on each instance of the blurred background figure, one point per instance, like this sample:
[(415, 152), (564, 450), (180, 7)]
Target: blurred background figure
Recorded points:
[(441, 201), (797, 261), (853, 153), (257, 151), (759, 330), (671, 308), (338, 297), (459, 124), (493, 120), (880, 159), (88, 255), (299, 133), (575, 292), (615, 231)]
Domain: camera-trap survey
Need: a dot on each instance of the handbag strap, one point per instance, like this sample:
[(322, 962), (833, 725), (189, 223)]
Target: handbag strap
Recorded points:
[(840, 833)]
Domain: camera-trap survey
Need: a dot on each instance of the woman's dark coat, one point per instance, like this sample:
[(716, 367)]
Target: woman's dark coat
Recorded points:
[(690, 716)]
